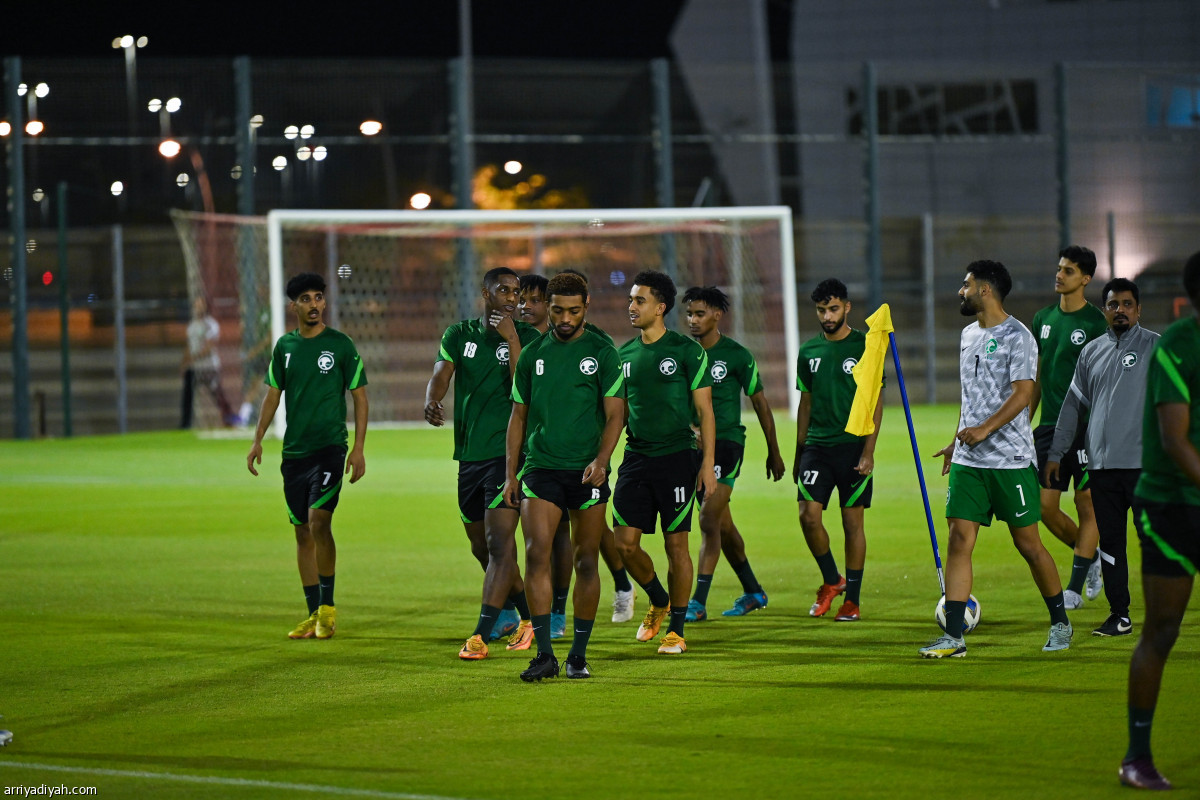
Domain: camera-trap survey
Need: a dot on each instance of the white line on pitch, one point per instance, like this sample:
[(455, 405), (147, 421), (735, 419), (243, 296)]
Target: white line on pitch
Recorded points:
[(213, 780)]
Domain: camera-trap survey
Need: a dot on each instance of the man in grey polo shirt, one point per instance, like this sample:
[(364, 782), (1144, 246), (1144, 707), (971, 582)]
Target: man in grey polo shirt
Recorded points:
[(1110, 384)]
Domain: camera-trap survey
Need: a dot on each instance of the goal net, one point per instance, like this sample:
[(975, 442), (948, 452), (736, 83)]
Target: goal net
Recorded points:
[(397, 279)]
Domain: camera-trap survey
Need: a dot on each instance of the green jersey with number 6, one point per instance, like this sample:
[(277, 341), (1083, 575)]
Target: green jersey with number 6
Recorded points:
[(482, 385), (733, 370), (824, 369), (659, 381), (564, 385), (314, 374)]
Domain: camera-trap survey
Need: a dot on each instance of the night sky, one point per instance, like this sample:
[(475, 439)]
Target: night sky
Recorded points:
[(399, 29)]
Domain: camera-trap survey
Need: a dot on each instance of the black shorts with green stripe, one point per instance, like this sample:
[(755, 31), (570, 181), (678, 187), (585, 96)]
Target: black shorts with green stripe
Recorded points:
[(728, 461), (1170, 538), (651, 488), (1074, 461), (564, 488), (480, 488), (824, 467), (313, 481)]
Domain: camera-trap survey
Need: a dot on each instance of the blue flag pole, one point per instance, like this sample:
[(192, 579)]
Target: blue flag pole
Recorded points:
[(912, 438)]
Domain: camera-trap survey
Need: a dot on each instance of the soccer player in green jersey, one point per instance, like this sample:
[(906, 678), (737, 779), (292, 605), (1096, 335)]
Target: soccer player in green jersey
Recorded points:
[(1061, 331), (1166, 510), (667, 385), (315, 365), (733, 371), (533, 309), (567, 415), (827, 456), (990, 461), (480, 355)]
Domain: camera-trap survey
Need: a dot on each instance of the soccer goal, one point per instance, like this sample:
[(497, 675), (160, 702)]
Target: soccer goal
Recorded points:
[(397, 279)]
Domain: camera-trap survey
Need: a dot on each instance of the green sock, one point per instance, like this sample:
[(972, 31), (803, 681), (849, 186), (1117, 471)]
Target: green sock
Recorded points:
[(325, 582), (1058, 609), (312, 596), (1139, 732), (750, 584), (541, 631), (853, 585), (703, 584), (1079, 570), (583, 631), (560, 600), (829, 570), (487, 621), (656, 593), (520, 604)]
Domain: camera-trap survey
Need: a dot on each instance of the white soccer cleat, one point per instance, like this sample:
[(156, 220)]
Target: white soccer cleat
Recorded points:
[(1072, 600), (5, 738), (623, 605), (1094, 583)]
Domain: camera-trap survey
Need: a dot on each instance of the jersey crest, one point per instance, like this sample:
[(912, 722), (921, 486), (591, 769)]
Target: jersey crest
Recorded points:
[(1078, 336), (719, 370), (1129, 359), (848, 365), (325, 361), (667, 366), (589, 366), (502, 353)]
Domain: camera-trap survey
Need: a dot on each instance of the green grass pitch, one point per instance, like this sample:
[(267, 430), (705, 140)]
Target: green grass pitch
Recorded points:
[(148, 582)]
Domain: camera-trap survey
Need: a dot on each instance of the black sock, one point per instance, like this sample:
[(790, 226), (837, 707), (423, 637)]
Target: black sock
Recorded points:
[(560, 600), (678, 616), (829, 570), (1058, 609), (520, 604), (621, 580), (1139, 732), (750, 584), (487, 621), (325, 582), (853, 585), (955, 611), (583, 630), (312, 596), (508, 605), (657, 594), (541, 631), (703, 584), (1079, 570)]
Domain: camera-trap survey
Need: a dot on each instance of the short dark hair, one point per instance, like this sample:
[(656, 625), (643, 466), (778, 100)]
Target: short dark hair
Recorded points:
[(1191, 278), (660, 285), (533, 283), (994, 274), (567, 284), (304, 282), (1084, 259), (494, 274), (711, 296), (1120, 285), (829, 289), (573, 271)]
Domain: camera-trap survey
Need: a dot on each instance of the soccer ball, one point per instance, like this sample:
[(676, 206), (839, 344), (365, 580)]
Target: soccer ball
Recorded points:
[(970, 619)]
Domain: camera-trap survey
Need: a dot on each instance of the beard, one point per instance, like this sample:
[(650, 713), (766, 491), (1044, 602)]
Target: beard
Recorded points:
[(968, 309), (833, 327)]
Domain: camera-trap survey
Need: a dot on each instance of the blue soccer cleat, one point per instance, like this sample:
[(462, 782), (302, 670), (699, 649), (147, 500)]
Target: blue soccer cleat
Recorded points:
[(696, 612), (558, 625), (506, 623), (745, 604)]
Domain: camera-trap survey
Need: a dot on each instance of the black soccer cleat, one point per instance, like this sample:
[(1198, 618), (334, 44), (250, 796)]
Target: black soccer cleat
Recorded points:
[(1114, 626), (543, 665), (577, 667)]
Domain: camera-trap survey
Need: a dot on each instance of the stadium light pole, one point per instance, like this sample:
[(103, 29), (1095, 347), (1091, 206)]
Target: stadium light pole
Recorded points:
[(16, 178)]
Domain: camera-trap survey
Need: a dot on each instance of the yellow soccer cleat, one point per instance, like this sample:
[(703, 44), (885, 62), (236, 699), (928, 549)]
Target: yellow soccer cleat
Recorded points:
[(306, 629), (522, 637), (651, 623), (473, 649), (326, 622), (672, 644)]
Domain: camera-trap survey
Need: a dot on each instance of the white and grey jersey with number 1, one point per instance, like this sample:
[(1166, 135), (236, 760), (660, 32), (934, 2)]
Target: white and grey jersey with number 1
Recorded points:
[(990, 359)]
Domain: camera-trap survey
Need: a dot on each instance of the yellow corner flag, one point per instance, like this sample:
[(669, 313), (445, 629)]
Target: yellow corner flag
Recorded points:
[(868, 373)]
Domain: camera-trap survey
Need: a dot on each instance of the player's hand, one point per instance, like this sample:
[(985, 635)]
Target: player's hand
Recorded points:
[(254, 457), (356, 465), (1050, 474), (946, 453), (504, 326), (796, 464), (973, 436), (706, 481), (775, 466), (594, 474), (434, 414), (866, 464), (512, 488)]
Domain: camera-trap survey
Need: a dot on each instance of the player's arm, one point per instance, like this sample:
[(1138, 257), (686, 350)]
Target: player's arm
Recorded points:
[(508, 329), (702, 401), (1065, 431), (356, 462), (803, 417), (1019, 400), (866, 463), (766, 420), (1035, 397), (435, 390), (514, 441), (614, 421), (947, 452), (1174, 420), (270, 405)]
